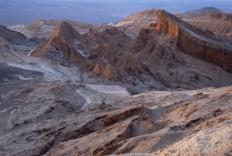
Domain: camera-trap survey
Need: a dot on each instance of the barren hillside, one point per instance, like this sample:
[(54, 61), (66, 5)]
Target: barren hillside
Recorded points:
[(151, 85)]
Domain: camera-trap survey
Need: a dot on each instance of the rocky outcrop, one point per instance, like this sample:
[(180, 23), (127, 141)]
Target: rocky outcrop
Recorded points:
[(65, 46), (112, 57), (195, 42)]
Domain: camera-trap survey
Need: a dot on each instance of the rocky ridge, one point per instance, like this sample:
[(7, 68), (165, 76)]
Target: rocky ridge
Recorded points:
[(111, 54), (200, 12), (65, 46)]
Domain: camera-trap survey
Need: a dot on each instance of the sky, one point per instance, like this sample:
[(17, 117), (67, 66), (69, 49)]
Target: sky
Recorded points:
[(94, 11)]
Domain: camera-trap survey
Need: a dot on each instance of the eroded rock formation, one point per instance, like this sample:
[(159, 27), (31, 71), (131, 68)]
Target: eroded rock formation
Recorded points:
[(152, 57), (65, 46), (195, 42)]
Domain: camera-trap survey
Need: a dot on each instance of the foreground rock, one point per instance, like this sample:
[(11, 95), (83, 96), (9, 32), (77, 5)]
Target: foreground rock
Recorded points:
[(76, 119)]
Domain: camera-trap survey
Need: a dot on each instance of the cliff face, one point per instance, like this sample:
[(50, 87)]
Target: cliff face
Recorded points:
[(205, 51), (167, 25), (195, 42)]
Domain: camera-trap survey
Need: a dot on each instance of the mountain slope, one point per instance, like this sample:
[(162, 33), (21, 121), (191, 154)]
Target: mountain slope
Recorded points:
[(12, 36)]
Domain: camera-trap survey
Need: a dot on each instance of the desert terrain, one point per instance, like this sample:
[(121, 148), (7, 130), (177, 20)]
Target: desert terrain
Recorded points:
[(154, 83)]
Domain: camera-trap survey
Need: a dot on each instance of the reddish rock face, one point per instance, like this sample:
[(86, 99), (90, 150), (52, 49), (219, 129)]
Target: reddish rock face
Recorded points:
[(167, 25), (195, 42)]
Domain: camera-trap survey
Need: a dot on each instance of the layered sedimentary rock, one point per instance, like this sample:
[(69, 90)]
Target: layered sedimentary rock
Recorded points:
[(195, 42), (160, 58)]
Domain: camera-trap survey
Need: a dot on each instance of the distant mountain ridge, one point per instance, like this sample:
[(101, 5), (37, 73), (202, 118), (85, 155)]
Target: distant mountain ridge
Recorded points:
[(200, 12)]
